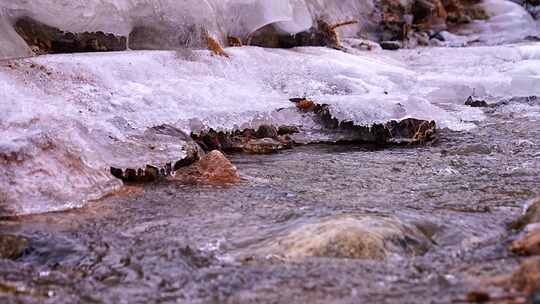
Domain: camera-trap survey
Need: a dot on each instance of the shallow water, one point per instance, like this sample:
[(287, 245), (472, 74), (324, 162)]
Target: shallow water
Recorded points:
[(179, 243)]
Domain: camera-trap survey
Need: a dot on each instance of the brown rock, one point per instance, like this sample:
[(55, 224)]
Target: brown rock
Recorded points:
[(214, 168), (44, 39), (478, 297), (284, 130), (266, 131), (527, 277), (234, 41), (12, 246), (323, 34), (529, 244), (263, 146)]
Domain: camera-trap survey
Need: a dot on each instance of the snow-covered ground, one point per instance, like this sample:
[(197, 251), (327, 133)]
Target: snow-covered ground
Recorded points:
[(66, 119)]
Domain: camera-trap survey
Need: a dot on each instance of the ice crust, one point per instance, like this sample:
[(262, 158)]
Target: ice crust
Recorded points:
[(67, 118)]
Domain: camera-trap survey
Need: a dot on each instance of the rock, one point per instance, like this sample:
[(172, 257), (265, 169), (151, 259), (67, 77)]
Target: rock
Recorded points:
[(322, 34), (214, 168), (266, 131), (478, 297), (391, 45), (532, 215), (266, 139), (529, 244), (348, 236), (44, 39), (475, 103), (409, 131), (263, 146), (285, 130), (527, 277), (423, 9), (12, 247), (193, 154)]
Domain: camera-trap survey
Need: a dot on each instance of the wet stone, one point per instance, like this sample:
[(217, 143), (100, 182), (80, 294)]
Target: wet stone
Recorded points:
[(476, 103), (350, 237), (266, 131), (409, 131), (213, 168), (285, 130), (263, 146), (44, 39), (390, 45), (12, 247)]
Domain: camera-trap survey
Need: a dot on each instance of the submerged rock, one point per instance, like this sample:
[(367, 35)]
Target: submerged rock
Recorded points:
[(213, 168), (12, 246), (348, 236)]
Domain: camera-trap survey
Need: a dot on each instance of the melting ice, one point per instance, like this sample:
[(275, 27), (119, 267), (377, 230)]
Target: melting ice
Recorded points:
[(67, 118)]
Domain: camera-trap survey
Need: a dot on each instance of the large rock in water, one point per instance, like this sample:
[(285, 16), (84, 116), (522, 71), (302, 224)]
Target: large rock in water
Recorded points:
[(348, 236), (214, 168)]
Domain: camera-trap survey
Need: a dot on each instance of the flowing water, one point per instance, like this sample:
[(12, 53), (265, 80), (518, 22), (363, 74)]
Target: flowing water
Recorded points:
[(171, 243)]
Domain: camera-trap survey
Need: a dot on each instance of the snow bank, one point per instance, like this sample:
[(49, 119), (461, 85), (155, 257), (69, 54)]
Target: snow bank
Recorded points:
[(67, 118), (453, 74)]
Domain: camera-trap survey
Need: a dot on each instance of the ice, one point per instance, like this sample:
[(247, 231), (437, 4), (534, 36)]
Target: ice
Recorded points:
[(508, 22), (66, 119), (175, 19)]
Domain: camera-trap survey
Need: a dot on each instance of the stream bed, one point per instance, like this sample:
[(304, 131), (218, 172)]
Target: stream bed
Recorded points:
[(451, 202)]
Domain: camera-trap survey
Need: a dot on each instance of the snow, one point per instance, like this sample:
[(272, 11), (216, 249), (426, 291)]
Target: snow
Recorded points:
[(508, 22), (68, 118)]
